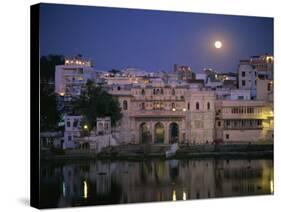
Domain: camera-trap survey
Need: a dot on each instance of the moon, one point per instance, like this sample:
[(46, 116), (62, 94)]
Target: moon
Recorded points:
[(218, 44)]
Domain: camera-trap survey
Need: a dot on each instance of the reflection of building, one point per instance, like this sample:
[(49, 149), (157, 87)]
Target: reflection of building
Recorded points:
[(110, 182)]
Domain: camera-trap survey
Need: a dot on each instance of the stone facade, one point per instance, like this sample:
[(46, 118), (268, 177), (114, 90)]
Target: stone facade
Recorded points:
[(159, 113)]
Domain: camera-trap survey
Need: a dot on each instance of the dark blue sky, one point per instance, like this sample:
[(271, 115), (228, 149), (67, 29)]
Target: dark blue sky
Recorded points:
[(152, 40)]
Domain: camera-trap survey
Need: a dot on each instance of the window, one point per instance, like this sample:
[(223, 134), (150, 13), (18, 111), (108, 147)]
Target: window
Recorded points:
[(173, 105), (69, 138), (125, 105), (243, 74), (142, 106), (75, 123), (197, 105), (188, 106), (208, 105), (142, 92), (243, 82), (269, 87), (219, 123), (227, 136), (68, 124), (240, 97), (173, 92)]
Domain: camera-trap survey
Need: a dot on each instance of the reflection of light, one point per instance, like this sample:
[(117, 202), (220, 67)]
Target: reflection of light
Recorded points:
[(174, 195), (184, 196), (85, 190), (63, 189), (271, 186)]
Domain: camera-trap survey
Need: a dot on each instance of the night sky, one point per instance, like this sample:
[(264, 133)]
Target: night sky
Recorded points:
[(152, 40)]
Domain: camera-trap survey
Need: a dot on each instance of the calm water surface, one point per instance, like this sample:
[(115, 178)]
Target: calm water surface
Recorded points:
[(112, 182)]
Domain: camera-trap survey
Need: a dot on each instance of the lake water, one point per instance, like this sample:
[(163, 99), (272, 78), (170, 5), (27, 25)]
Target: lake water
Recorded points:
[(113, 182)]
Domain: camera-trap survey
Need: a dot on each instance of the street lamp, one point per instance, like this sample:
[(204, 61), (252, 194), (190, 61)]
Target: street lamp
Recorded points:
[(86, 128)]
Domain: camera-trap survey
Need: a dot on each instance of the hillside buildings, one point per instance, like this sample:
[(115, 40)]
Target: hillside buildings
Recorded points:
[(180, 106)]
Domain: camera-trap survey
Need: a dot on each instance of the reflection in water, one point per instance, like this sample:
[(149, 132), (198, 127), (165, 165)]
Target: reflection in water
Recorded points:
[(85, 190), (271, 187), (183, 196), (174, 195), (107, 182)]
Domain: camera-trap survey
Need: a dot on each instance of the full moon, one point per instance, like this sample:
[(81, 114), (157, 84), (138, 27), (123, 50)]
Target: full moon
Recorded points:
[(218, 44)]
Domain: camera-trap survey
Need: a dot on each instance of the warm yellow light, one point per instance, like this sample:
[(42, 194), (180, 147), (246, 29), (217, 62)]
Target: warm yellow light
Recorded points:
[(85, 196), (218, 44), (184, 109), (271, 186), (174, 195), (174, 109), (61, 94), (184, 196), (85, 126)]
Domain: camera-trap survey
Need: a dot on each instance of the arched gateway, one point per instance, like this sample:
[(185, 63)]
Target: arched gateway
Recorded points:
[(159, 132), (174, 133), (144, 133)]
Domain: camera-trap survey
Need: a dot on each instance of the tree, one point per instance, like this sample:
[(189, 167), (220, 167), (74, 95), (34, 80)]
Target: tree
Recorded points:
[(48, 65), (95, 102), (49, 115)]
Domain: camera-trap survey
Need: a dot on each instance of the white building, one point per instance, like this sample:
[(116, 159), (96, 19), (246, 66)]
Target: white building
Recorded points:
[(71, 76), (72, 131), (257, 67)]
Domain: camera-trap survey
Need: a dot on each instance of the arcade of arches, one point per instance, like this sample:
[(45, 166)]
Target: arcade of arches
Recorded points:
[(160, 133)]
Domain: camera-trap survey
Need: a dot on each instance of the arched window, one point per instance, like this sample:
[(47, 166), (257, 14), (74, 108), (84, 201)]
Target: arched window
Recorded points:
[(197, 105), (173, 92), (188, 106), (208, 106), (143, 92), (162, 92), (125, 105)]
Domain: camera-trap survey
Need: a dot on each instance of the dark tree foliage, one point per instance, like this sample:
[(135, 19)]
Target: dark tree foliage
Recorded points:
[(114, 71), (49, 115), (48, 65), (95, 102)]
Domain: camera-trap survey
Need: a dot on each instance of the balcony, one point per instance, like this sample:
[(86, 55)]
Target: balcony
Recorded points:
[(158, 113)]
